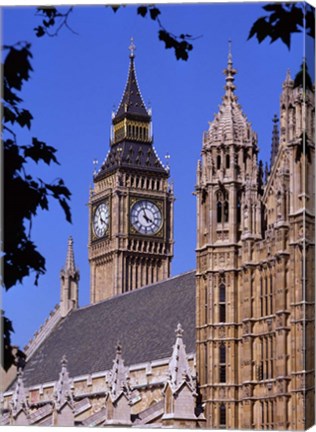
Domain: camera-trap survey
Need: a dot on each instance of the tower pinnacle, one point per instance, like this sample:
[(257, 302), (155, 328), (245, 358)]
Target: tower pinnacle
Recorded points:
[(70, 260), (69, 278), (132, 48), (230, 72), (275, 140)]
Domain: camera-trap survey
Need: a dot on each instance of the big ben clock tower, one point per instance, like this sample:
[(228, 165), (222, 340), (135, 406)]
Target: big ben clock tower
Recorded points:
[(131, 204)]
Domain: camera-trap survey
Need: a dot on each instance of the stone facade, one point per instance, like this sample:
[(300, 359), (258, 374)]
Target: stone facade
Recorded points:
[(255, 267), (254, 285), (123, 396), (132, 188)]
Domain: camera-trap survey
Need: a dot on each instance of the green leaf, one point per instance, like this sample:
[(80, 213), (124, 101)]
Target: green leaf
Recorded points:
[(40, 151), (142, 10), (17, 67), (39, 31), (154, 13), (24, 118), (8, 115), (261, 28), (66, 209)]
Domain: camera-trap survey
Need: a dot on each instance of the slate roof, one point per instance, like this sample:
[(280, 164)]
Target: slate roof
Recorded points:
[(132, 155), (144, 321), (132, 104)]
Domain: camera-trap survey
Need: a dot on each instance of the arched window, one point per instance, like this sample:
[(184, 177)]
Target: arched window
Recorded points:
[(222, 415), (219, 211), (222, 206), (222, 363), (226, 211), (227, 161), (222, 303), (238, 208), (218, 162)]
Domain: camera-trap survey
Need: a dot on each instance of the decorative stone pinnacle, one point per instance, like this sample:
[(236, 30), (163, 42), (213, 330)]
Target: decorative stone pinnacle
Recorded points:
[(179, 331), (132, 48), (64, 361), (230, 58), (229, 71), (119, 348), (179, 370), (70, 260), (19, 397)]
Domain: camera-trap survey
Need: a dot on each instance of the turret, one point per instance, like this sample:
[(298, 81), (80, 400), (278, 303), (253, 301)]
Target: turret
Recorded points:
[(275, 140), (69, 282)]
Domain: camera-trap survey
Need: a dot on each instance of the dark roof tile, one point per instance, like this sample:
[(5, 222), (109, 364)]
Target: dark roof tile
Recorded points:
[(143, 321)]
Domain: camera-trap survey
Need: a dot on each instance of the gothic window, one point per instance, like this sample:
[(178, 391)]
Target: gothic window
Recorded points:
[(227, 161), (261, 295), (222, 206), (219, 212), (222, 415), (222, 363), (222, 303), (218, 162), (226, 211), (238, 208), (271, 294)]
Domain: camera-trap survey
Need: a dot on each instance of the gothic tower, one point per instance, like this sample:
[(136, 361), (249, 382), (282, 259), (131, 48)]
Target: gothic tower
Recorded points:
[(131, 204), (69, 278), (228, 224), (255, 266)]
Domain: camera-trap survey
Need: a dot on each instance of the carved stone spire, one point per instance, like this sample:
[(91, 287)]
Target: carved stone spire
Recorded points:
[(230, 124), (19, 398), (275, 140), (69, 277), (179, 371), (119, 379), (63, 392), (70, 260)]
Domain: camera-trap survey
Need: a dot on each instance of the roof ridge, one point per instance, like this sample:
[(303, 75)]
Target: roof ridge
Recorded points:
[(133, 291)]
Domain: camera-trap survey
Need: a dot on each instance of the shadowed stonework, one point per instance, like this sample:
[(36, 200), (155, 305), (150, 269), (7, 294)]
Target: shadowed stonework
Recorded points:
[(229, 345)]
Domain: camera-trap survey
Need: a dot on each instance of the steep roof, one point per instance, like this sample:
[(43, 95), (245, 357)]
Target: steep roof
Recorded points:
[(143, 321), (132, 104), (131, 155), (230, 123)]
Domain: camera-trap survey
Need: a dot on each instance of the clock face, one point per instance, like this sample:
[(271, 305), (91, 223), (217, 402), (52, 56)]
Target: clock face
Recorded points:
[(101, 220), (146, 217)]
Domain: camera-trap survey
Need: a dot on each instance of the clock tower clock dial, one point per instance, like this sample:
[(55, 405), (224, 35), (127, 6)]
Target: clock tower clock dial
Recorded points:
[(131, 204), (146, 217), (101, 220)]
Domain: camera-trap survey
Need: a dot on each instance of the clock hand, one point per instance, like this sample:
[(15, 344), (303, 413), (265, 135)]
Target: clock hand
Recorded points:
[(146, 217)]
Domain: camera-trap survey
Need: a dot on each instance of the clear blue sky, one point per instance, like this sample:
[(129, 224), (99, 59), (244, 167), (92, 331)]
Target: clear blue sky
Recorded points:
[(77, 80)]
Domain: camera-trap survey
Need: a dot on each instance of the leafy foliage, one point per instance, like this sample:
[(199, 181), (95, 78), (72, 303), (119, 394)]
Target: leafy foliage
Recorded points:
[(180, 44), (283, 20), (23, 195), (54, 20)]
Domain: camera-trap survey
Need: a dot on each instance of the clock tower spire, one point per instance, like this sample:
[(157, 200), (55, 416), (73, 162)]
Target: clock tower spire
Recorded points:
[(131, 203)]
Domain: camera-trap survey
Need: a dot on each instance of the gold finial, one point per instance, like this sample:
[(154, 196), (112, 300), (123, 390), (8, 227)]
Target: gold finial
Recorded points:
[(132, 48)]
